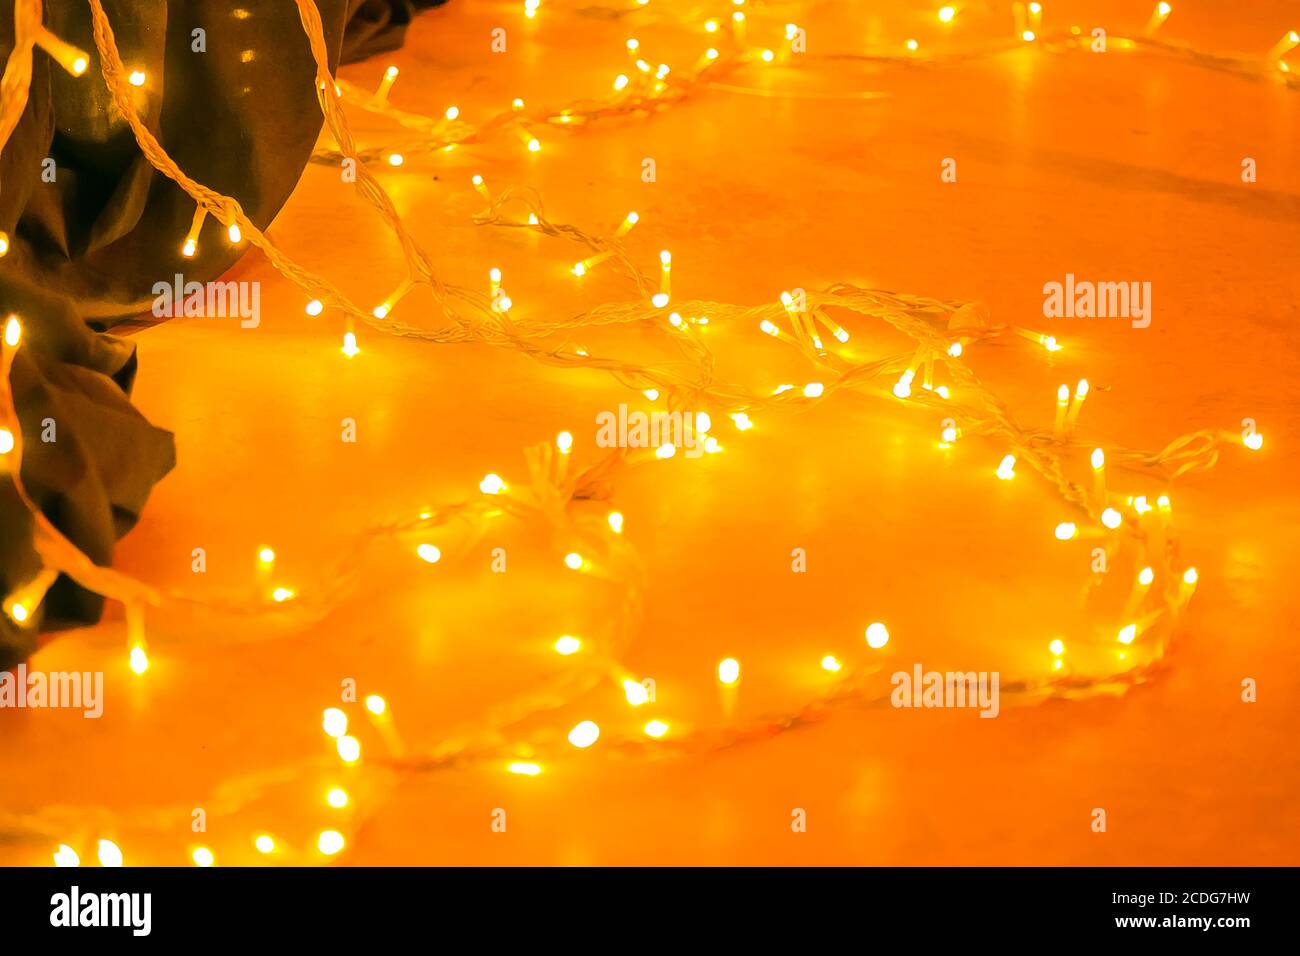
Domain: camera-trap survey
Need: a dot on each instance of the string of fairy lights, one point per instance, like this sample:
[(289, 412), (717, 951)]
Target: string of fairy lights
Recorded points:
[(933, 377)]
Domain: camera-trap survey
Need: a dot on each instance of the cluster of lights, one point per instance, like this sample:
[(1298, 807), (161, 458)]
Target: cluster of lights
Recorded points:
[(586, 733)]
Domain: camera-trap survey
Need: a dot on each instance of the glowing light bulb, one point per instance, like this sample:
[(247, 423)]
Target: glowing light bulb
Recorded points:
[(202, 856), (109, 853), (656, 729), (584, 734), (396, 159), (380, 311), (18, 611), (1190, 576), (711, 26), (652, 394), (913, 45), (4, 244), (139, 660), (1254, 441), (66, 856), (524, 769), (564, 442), (1050, 344), (335, 722), (829, 663), (769, 327), (1163, 502), (79, 65), (1098, 459), (234, 234), (949, 434), (1007, 468), (636, 693), (429, 553), (711, 53), (376, 705), (350, 345), (189, 248), (337, 798), (491, 484), (264, 844), (620, 82), (768, 56), (665, 451), (1111, 518), (1027, 36), (675, 319), (136, 78), (1164, 9), (453, 112), (955, 349), (266, 556), (568, 644), (1057, 647), (13, 332), (516, 104), (1146, 576), (349, 749), (813, 390), (1127, 633), (330, 842), (315, 307), (741, 421), (280, 595), (946, 14), (729, 672), (1066, 530), (659, 300), (534, 145), (573, 560), (877, 635)]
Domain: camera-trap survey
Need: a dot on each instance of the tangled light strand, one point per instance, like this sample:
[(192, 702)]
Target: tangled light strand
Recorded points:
[(555, 497)]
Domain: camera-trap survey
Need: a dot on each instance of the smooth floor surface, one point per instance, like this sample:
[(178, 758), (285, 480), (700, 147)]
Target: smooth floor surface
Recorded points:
[(1122, 166)]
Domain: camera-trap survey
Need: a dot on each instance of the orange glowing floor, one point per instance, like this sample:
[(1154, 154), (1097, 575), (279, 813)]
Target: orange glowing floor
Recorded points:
[(1122, 166)]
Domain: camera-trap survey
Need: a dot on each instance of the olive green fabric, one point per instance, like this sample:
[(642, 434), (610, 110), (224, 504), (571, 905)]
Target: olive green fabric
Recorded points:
[(230, 94)]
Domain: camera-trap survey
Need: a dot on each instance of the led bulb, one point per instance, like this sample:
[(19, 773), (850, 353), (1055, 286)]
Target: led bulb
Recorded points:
[(584, 734), (877, 635), (335, 722), (729, 671), (109, 853), (66, 856)]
